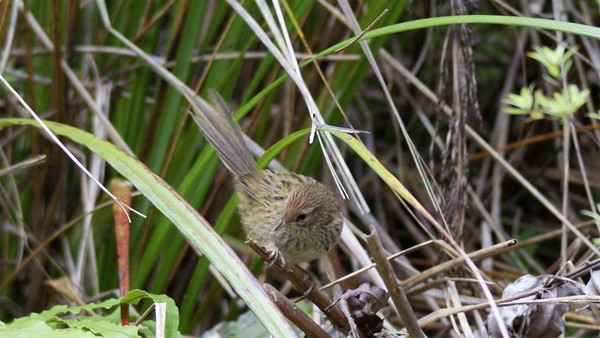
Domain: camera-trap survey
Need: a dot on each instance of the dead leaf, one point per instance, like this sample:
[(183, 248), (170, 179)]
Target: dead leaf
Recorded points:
[(534, 320), (370, 299)]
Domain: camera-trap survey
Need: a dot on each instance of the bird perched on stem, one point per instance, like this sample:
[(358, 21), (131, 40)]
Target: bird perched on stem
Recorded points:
[(294, 215)]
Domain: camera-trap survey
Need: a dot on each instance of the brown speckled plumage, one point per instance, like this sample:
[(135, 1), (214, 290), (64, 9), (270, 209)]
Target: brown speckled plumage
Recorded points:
[(294, 214)]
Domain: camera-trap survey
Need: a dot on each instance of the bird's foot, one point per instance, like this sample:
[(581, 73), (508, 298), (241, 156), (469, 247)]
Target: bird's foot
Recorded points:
[(275, 256)]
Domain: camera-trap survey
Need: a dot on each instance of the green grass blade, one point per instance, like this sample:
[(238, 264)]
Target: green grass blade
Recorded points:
[(562, 26)]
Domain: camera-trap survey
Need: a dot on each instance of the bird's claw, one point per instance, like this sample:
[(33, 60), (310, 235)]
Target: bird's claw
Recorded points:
[(275, 256)]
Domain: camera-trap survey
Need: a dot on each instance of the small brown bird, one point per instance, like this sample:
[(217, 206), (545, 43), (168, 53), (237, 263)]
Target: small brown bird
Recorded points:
[(295, 215)]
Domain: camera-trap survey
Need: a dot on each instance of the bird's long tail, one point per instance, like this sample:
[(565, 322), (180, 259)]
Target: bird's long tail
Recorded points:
[(222, 132)]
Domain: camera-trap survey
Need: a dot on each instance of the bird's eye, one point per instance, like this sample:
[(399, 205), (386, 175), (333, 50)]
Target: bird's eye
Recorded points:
[(301, 217)]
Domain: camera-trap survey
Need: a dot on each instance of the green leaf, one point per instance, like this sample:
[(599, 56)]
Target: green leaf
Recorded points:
[(556, 61), (49, 323), (563, 104), (593, 214), (524, 103), (594, 115)]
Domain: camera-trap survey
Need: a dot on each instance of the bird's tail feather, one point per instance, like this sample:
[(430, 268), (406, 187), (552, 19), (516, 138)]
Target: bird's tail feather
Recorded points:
[(218, 127)]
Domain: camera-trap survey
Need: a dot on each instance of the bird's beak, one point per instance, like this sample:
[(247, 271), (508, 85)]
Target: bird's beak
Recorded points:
[(280, 225)]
